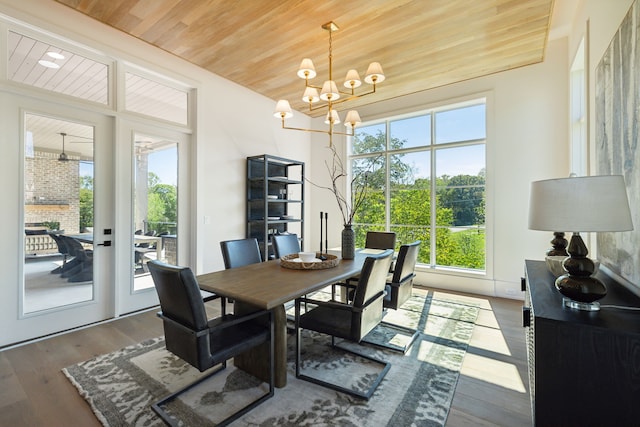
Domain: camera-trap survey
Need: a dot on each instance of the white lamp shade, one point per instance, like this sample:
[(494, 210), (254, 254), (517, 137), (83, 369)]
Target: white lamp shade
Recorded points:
[(283, 109), (352, 119), (374, 73), (334, 115), (310, 95), (329, 91), (352, 80), (306, 70), (590, 203)]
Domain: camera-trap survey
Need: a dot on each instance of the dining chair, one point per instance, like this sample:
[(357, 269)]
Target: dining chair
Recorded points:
[(240, 252), (204, 343), (285, 244), (398, 290), (350, 321), (380, 240)]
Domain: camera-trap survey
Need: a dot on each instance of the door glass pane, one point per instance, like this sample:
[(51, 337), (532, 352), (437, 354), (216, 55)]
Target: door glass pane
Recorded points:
[(58, 213), (155, 205)]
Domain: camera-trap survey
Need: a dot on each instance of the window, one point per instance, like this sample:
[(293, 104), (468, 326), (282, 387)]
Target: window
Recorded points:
[(425, 180), (44, 65), (151, 98)]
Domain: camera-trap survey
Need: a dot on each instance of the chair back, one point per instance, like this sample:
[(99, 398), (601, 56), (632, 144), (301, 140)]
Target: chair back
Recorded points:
[(241, 252), (406, 262), (380, 240), (285, 244), (181, 301), (368, 298)]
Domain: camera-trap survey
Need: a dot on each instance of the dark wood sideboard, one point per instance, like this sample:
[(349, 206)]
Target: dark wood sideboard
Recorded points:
[(584, 367)]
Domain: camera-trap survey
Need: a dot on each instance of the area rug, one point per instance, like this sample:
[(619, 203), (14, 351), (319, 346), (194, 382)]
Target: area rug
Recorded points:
[(417, 390)]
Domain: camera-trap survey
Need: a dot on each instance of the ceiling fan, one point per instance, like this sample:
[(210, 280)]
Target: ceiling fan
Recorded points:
[(63, 157)]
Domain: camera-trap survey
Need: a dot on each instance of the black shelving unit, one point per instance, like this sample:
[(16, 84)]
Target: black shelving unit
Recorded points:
[(275, 199)]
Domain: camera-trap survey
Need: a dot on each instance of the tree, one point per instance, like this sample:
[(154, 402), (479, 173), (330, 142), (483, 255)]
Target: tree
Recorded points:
[(162, 208), (459, 201), (86, 202)]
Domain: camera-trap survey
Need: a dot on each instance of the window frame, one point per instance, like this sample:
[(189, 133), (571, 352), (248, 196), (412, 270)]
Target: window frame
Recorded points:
[(432, 148)]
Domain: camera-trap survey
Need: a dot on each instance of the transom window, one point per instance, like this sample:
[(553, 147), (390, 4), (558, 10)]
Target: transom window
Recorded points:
[(425, 180)]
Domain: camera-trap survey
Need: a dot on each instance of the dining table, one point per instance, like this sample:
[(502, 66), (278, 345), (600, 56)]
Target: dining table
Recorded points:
[(269, 286)]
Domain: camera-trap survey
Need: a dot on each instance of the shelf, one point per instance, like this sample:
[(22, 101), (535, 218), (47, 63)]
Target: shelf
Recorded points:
[(267, 175), (276, 221), (274, 201)]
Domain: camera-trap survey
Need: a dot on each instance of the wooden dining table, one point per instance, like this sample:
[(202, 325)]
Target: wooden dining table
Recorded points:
[(268, 285)]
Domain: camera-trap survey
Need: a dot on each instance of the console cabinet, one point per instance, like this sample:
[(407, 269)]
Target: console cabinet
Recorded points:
[(584, 367), (275, 199)]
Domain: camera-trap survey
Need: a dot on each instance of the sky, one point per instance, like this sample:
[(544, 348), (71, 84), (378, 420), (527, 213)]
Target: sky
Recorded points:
[(461, 124)]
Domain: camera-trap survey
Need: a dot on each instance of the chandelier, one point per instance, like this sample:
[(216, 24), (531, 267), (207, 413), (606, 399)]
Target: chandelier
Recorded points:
[(329, 93)]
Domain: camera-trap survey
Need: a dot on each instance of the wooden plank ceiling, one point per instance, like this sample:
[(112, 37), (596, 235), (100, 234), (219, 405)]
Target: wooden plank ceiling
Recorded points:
[(421, 44)]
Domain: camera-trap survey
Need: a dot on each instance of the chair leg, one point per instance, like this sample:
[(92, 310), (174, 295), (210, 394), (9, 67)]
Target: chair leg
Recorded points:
[(175, 423), (363, 395), (161, 412), (414, 335)]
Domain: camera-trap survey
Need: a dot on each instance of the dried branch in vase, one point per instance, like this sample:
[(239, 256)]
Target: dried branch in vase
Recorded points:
[(350, 198)]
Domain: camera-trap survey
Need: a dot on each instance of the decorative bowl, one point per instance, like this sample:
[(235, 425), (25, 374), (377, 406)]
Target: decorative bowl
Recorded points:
[(307, 256)]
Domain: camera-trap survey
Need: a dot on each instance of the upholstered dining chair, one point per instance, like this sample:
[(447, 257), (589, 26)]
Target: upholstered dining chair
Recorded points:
[(285, 244), (380, 240), (240, 252), (399, 289), (401, 284), (350, 321), (201, 342)]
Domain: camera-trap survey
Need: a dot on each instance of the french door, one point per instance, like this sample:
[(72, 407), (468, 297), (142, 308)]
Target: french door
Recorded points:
[(153, 190), (60, 165)]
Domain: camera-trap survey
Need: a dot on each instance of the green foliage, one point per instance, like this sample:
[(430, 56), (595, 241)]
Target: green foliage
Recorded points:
[(460, 201), (162, 209), (86, 207)]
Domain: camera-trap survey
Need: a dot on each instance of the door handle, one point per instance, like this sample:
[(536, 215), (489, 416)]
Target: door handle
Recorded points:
[(105, 243)]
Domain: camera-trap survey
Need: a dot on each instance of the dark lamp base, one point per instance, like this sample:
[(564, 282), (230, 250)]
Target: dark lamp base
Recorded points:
[(579, 285), (585, 306), (581, 289)]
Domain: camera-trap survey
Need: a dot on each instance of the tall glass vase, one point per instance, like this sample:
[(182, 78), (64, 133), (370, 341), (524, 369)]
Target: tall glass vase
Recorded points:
[(348, 242)]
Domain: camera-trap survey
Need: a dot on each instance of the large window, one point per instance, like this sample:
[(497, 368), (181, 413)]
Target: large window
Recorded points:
[(425, 180)]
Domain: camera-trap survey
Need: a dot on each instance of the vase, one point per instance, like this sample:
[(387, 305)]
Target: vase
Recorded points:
[(348, 242)]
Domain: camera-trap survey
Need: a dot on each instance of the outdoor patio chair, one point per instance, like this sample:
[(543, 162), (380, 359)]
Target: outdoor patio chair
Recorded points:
[(201, 342), (83, 271)]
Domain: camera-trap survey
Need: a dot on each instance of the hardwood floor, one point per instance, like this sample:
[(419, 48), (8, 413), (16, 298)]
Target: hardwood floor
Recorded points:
[(492, 389)]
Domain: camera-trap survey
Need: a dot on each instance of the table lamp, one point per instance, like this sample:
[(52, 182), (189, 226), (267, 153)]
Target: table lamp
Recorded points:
[(590, 203)]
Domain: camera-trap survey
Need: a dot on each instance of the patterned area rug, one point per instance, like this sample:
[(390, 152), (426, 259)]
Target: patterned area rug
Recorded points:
[(417, 390)]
